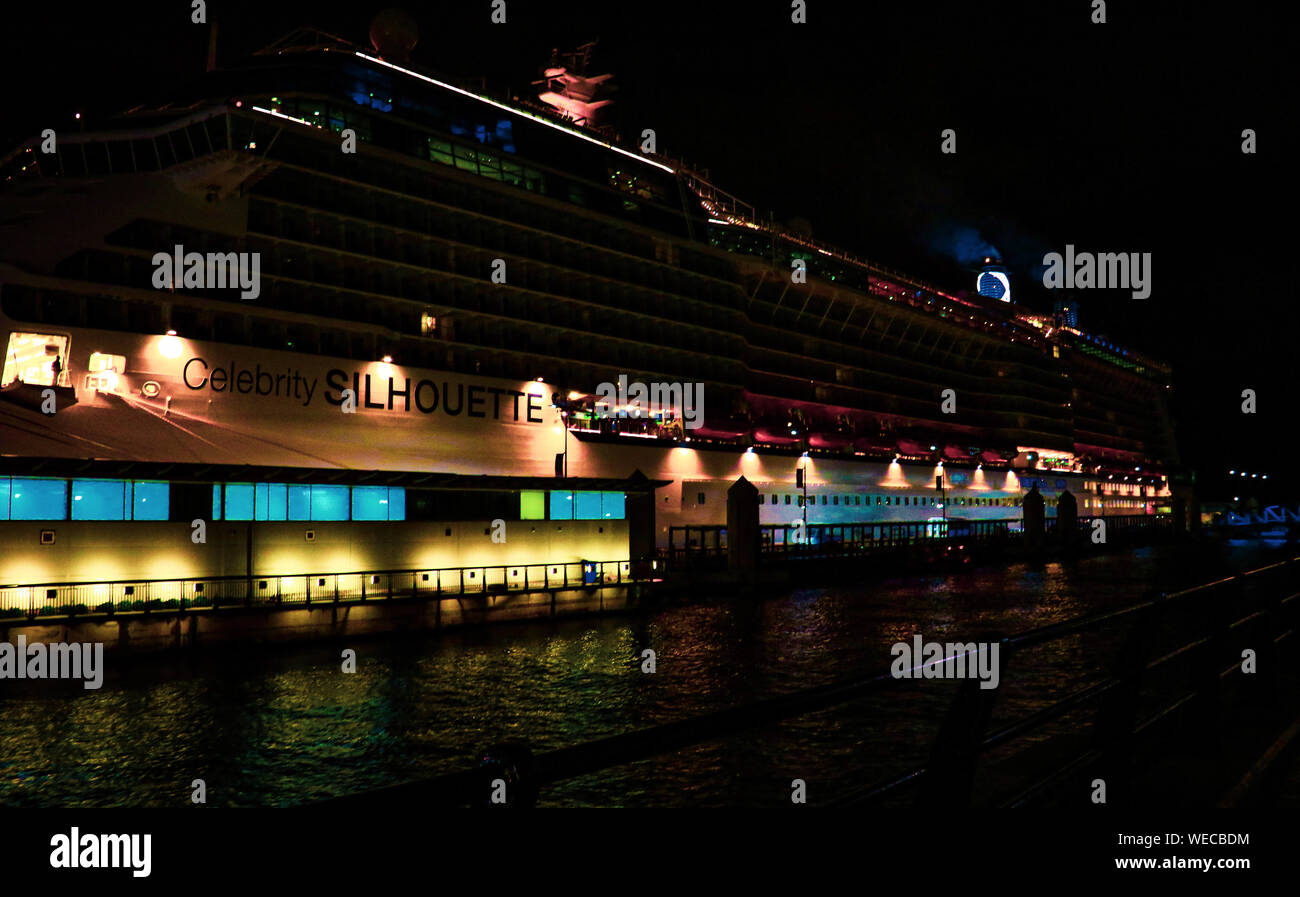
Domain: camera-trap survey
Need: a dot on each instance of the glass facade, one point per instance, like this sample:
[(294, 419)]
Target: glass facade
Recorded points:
[(378, 503), (282, 501), (532, 505), (587, 505), (44, 498), (37, 499), (99, 500)]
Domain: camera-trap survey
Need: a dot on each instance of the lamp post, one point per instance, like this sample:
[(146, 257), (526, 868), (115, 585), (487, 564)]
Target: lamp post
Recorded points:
[(563, 407)]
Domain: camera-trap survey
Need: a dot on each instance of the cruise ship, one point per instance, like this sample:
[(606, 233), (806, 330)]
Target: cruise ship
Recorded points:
[(351, 315)]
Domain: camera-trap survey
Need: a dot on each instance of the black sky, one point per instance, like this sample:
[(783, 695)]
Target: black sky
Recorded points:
[(1117, 137)]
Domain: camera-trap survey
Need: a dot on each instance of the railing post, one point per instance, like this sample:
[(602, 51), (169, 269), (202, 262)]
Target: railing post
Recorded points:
[(1218, 609), (950, 773), (1117, 714)]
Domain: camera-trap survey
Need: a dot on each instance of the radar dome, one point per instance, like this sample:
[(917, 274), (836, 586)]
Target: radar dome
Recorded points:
[(394, 34)]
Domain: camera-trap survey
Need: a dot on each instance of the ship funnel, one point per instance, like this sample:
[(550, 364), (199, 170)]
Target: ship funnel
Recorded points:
[(394, 34), (993, 280)]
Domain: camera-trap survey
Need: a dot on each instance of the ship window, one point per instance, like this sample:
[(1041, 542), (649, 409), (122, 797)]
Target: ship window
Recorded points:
[(239, 501), (836, 501), (761, 498), (261, 501), (150, 500), (378, 503), (877, 499), (587, 506), (299, 503), (329, 502), (774, 498), (276, 502), (561, 505), (38, 499), (532, 505), (99, 500), (512, 174), (613, 505), (440, 151), (699, 498), (825, 498), (216, 501), (787, 499)]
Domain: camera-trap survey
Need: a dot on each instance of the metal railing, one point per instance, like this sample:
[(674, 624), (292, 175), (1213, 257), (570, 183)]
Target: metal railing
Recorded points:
[(1209, 624), (687, 544), (304, 589)]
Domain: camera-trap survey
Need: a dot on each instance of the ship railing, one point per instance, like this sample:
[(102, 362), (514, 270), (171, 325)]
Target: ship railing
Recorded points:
[(693, 544), (135, 144), (145, 596), (1156, 673)]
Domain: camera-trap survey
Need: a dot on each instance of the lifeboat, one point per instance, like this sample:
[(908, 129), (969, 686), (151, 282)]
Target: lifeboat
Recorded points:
[(771, 437), (716, 433)]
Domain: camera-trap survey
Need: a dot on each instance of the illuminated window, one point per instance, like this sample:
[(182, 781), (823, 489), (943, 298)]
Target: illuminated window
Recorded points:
[(299, 502), (31, 358), (329, 502), (4, 498), (613, 505), (587, 506), (239, 501), (532, 505), (378, 503), (99, 500), (561, 505), (276, 502), (149, 500), (216, 501), (38, 499)]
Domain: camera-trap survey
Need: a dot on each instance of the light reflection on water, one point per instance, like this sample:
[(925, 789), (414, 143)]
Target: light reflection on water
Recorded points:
[(281, 726)]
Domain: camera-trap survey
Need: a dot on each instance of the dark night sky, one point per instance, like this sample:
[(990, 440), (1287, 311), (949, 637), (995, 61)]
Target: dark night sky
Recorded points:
[(1115, 137)]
